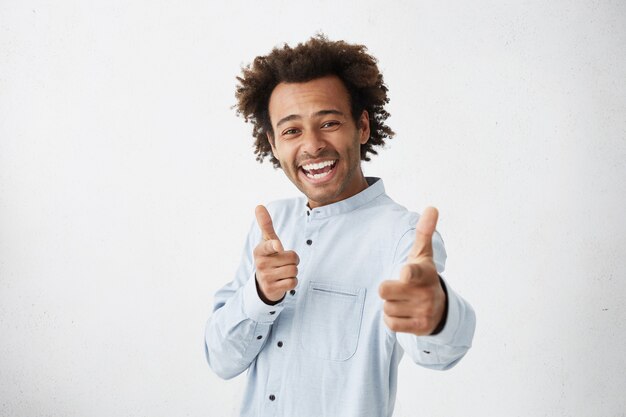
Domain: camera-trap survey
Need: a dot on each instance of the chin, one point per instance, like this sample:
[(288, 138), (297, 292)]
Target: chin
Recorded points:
[(322, 195)]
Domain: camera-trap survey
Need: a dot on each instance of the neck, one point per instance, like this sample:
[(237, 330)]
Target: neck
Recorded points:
[(357, 185)]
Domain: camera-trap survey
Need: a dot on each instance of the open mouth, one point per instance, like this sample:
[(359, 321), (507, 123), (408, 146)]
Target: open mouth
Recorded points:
[(320, 170)]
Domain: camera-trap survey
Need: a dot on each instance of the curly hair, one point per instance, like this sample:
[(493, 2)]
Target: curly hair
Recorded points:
[(316, 58)]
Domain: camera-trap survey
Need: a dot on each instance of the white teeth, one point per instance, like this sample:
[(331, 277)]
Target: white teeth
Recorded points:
[(317, 176), (318, 166)]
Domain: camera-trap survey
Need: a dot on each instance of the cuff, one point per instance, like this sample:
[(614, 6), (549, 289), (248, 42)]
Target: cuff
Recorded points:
[(255, 308)]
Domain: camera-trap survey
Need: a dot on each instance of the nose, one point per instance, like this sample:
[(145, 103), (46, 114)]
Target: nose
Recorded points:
[(313, 142)]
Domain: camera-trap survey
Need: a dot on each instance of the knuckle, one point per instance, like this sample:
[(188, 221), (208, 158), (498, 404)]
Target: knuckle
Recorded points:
[(271, 287), (273, 246), (383, 290), (291, 256), (391, 323), (396, 327), (387, 308), (417, 294), (408, 269), (419, 325), (262, 263), (261, 277)]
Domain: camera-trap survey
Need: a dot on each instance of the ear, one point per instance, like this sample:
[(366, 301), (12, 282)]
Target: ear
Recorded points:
[(364, 127)]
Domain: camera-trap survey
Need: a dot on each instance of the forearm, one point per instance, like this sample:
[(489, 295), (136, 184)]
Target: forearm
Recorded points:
[(237, 330)]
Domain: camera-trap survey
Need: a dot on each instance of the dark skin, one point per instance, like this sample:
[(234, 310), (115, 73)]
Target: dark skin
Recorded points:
[(312, 124), (416, 301), (276, 268)]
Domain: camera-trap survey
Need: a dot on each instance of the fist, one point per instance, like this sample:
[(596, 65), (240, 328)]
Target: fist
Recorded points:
[(415, 303), (276, 268)]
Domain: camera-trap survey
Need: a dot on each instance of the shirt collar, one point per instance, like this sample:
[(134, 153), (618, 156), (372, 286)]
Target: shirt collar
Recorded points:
[(375, 189)]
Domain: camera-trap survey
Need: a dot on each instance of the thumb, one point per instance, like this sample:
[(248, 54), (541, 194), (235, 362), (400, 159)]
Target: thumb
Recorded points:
[(423, 245), (264, 221)]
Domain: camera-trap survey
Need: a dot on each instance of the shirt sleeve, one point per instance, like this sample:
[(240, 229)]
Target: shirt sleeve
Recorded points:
[(240, 324), (445, 349)]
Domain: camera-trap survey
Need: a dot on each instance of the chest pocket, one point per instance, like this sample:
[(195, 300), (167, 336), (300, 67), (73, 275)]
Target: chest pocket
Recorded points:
[(331, 320)]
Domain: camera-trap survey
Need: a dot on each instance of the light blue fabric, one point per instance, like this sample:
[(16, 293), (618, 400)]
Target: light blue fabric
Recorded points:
[(325, 350)]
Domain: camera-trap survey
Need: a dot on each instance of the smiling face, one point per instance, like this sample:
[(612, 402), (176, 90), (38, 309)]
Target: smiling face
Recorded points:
[(316, 140)]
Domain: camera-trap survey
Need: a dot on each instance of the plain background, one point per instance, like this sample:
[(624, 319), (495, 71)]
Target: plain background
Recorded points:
[(127, 184)]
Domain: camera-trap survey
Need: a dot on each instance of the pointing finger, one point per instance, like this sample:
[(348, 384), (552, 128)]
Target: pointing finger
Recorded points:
[(420, 272), (424, 233), (269, 247), (264, 221)]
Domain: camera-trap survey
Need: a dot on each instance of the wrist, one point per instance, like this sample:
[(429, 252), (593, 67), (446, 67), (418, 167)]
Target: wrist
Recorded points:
[(263, 297), (444, 316)]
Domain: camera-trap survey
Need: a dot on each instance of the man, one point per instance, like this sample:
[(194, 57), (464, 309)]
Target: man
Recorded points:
[(333, 288)]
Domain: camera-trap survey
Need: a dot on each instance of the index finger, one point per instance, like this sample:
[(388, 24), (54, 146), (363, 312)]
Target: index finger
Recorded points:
[(424, 230), (264, 220), (268, 247)]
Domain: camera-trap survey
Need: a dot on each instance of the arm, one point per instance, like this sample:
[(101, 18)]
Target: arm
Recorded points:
[(238, 328), (245, 309), (419, 260)]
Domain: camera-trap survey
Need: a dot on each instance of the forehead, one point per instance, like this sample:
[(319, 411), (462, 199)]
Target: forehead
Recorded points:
[(307, 98)]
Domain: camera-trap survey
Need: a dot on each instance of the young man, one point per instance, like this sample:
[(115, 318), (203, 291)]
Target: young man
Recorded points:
[(334, 287)]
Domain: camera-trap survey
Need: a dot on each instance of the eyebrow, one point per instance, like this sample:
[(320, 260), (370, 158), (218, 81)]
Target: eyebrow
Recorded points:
[(316, 114)]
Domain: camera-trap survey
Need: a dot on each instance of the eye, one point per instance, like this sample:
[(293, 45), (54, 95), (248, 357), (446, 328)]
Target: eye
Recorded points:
[(331, 124), (290, 132)]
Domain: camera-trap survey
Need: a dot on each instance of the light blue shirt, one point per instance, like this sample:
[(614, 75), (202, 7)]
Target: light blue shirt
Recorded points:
[(325, 349)]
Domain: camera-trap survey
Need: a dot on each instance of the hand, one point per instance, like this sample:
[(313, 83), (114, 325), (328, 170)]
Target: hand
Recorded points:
[(276, 268), (415, 303)]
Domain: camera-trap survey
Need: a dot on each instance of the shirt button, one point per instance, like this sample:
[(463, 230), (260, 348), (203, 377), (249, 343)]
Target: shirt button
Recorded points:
[(292, 292), (280, 344), (259, 337), (309, 242), (272, 397)]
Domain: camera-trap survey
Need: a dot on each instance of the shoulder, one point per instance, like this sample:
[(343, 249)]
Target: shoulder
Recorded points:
[(391, 215), (400, 224)]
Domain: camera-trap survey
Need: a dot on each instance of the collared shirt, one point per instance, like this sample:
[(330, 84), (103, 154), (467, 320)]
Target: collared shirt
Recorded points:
[(325, 350)]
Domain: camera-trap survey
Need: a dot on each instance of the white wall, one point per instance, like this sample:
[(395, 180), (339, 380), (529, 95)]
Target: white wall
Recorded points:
[(127, 184)]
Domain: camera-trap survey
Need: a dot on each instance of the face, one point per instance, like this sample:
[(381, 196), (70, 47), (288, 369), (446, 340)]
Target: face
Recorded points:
[(316, 140)]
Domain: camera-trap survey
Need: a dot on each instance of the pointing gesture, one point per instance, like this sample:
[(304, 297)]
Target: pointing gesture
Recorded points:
[(415, 303), (276, 269), (272, 243)]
